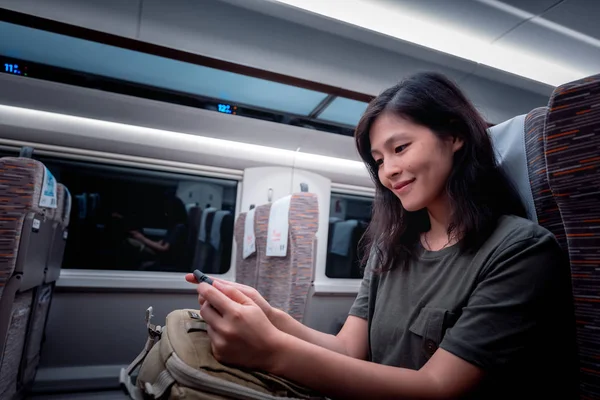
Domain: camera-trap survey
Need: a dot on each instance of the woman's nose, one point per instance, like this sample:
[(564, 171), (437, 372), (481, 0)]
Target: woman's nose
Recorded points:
[(391, 169)]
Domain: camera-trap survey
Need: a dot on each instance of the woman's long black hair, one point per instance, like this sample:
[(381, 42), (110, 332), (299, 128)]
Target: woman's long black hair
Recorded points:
[(478, 190)]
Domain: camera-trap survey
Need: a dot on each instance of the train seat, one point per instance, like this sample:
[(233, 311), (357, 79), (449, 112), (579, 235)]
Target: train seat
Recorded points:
[(204, 254), (572, 148), (221, 238), (286, 281), (43, 294), (28, 200), (246, 270), (553, 155)]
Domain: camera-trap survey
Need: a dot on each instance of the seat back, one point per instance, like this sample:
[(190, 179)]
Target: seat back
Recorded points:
[(204, 253), (42, 296), (194, 219), (246, 269), (562, 148), (261, 228), (285, 281), (60, 234), (28, 198), (572, 145), (343, 258), (221, 239)]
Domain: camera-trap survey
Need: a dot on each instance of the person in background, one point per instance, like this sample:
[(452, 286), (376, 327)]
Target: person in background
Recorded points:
[(167, 252), (462, 296)]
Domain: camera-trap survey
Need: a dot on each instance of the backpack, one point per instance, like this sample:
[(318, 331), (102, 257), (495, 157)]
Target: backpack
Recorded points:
[(177, 363)]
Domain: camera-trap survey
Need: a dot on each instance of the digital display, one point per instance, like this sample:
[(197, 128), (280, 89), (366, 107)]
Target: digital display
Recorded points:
[(15, 69), (226, 108)]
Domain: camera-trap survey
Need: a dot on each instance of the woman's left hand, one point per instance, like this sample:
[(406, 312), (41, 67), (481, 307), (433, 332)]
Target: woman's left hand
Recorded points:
[(240, 332)]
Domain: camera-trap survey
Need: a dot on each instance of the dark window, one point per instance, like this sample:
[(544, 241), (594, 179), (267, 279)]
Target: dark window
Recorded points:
[(125, 218), (4, 152), (349, 217)]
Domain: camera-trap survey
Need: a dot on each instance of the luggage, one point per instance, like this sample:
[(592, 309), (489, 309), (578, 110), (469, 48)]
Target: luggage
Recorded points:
[(177, 363)]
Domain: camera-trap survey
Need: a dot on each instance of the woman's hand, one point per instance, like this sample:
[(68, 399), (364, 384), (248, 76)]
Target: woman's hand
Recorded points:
[(250, 292), (240, 332)]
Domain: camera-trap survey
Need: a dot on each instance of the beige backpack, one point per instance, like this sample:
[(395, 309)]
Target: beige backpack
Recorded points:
[(177, 363)]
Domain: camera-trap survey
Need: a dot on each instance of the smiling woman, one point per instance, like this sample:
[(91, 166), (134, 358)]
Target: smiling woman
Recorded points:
[(462, 297), (426, 145)]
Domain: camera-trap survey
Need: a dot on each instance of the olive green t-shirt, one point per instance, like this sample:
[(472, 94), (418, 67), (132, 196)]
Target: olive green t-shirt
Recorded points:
[(506, 308)]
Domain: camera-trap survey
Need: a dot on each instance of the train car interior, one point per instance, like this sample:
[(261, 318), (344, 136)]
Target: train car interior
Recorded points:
[(141, 140)]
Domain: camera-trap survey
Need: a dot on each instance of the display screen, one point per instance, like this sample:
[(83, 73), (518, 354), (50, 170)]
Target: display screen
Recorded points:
[(226, 108), (15, 69)]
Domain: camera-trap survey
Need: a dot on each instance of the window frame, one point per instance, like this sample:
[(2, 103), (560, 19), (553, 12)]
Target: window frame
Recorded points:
[(122, 279), (324, 285)]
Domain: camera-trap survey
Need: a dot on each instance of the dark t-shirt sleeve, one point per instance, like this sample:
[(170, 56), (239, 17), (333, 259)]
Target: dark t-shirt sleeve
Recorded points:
[(511, 301), (360, 308)]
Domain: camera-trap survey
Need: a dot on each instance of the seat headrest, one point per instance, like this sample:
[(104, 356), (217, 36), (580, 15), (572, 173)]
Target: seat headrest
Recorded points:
[(508, 139)]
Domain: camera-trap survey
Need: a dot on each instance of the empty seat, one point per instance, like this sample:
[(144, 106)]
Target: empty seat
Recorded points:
[(43, 294), (221, 240), (344, 253), (27, 198), (285, 281), (194, 219), (572, 147), (261, 227), (60, 234), (246, 270), (204, 252)]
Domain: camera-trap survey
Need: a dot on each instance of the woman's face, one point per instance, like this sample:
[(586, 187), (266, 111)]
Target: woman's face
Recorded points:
[(413, 162)]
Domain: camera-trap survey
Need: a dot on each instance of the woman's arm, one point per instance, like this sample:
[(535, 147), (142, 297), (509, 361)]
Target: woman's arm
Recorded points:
[(241, 334), (445, 376), (351, 341)]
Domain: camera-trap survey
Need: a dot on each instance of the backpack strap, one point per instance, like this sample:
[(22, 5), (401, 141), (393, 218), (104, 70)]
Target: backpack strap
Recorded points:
[(125, 377), (162, 384)]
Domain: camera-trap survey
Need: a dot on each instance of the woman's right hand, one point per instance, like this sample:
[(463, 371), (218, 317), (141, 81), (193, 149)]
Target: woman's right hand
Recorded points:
[(247, 290)]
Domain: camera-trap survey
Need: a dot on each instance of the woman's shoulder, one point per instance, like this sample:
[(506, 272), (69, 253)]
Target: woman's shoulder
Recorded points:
[(511, 231), (522, 227)]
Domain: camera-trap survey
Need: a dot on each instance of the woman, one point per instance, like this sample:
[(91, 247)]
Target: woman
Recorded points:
[(462, 296)]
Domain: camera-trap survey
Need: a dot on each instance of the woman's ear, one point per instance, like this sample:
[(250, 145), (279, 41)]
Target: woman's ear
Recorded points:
[(457, 143)]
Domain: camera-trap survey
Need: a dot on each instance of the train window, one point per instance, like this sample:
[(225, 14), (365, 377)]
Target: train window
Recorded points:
[(349, 216), (8, 153), (126, 218)]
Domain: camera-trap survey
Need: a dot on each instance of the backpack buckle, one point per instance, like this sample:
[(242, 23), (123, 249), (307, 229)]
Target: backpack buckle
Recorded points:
[(153, 330)]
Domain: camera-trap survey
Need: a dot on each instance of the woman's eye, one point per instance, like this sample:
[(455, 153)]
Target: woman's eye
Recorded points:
[(401, 148), (379, 162)]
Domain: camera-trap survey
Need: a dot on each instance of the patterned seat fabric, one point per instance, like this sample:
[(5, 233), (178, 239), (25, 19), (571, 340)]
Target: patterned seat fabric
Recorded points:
[(58, 245), (261, 227), (546, 209), (304, 224), (43, 294), (24, 244), (285, 281), (246, 271), (572, 146)]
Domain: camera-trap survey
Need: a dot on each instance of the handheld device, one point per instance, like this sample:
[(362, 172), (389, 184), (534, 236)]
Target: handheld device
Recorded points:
[(200, 277)]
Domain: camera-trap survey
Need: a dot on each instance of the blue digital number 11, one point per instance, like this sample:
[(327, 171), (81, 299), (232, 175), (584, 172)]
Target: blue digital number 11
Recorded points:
[(12, 68)]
